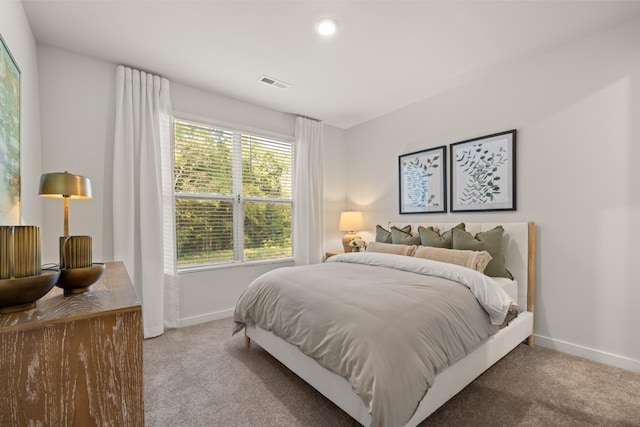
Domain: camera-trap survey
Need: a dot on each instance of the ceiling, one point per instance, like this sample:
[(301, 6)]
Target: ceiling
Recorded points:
[(386, 54)]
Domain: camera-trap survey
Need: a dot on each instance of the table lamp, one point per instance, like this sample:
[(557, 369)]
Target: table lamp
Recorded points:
[(77, 270), (67, 186), (350, 221)]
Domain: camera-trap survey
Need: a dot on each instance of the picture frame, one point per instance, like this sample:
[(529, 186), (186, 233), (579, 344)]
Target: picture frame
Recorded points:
[(9, 137), (422, 181), (483, 173)]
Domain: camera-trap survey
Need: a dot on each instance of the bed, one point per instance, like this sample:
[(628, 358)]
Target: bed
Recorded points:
[(519, 254)]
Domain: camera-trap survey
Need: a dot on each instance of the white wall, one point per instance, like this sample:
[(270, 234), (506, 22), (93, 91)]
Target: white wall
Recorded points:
[(335, 188), (77, 122), (77, 98), (17, 34), (577, 112)]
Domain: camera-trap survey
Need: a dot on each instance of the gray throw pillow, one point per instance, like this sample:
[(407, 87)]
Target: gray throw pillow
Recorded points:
[(490, 241), (384, 236), (430, 237), (401, 237)]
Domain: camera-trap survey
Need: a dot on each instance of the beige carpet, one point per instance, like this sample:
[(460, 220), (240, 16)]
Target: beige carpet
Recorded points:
[(201, 376)]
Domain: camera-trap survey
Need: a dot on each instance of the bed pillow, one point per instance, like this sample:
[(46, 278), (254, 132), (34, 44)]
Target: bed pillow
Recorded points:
[(475, 260), (390, 248), (429, 236), (490, 241), (401, 237), (384, 236)]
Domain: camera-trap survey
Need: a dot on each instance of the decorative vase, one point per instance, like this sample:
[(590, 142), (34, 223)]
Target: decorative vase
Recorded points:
[(20, 254), (75, 252)]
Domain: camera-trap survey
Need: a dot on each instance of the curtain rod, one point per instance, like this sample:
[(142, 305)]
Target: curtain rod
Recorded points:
[(143, 70), (307, 117)]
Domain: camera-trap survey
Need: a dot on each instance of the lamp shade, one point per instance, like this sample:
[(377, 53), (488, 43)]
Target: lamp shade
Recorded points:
[(351, 221), (65, 184)]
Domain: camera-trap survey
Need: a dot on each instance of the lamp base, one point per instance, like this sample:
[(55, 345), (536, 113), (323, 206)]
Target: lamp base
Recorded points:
[(346, 239)]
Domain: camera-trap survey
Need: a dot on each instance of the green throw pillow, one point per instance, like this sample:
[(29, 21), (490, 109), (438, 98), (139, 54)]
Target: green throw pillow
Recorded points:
[(430, 237), (490, 241), (402, 237), (384, 236)]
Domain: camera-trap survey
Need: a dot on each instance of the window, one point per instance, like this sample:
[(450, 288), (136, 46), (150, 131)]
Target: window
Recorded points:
[(233, 195)]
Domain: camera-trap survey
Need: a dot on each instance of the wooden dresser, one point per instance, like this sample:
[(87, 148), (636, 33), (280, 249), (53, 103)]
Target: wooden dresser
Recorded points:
[(75, 360)]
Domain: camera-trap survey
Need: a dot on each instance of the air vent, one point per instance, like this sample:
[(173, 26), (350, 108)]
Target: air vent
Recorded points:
[(273, 82)]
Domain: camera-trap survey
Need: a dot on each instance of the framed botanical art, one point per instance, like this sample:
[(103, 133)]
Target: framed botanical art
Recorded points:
[(9, 138), (422, 179), (483, 173)]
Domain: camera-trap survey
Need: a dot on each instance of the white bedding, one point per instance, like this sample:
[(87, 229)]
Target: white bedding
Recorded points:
[(510, 287)]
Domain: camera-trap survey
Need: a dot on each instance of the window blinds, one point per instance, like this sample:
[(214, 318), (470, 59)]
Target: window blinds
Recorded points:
[(233, 195)]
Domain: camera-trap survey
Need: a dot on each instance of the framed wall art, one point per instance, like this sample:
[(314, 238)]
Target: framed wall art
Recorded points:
[(9, 138), (483, 173), (422, 179)]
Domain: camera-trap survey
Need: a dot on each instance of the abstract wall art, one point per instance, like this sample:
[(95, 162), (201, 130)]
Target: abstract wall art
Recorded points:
[(9, 137)]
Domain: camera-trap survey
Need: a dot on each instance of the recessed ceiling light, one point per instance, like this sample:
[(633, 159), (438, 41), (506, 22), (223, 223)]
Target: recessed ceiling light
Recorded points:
[(327, 27)]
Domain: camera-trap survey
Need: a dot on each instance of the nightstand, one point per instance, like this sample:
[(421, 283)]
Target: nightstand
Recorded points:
[(328, 255)]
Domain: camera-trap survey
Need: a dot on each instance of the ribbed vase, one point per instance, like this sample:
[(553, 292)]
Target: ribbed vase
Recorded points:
[(75, 252), (20, 253)]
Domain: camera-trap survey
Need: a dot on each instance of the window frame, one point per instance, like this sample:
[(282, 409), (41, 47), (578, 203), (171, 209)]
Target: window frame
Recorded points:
[(237, 198)]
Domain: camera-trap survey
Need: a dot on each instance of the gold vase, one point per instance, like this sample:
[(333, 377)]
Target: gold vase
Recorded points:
[(75, 252), (20, 254)]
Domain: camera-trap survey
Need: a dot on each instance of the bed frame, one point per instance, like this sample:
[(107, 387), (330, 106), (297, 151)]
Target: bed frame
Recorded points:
[(519, 249)]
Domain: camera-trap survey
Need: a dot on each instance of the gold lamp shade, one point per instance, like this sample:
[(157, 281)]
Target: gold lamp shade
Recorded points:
[(67, 186)]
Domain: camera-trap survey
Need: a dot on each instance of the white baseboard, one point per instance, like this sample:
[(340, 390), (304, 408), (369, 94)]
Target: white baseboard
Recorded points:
[(555, 344), (588, 353), (194, 320)]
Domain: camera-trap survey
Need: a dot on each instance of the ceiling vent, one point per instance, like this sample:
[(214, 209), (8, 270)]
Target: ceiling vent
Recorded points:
[(273, 82)]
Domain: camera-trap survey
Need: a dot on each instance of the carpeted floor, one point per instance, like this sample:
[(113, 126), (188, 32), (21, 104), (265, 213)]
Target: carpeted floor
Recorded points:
[(201, 376)]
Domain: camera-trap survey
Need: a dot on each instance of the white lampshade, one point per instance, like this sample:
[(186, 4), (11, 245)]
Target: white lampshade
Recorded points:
[(351, 221)]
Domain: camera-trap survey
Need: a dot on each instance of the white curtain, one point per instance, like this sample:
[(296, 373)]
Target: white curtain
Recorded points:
[(309, 192), (143, 217)]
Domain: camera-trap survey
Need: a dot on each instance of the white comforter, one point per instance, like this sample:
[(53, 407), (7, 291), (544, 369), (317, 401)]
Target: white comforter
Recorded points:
[(386, 323)]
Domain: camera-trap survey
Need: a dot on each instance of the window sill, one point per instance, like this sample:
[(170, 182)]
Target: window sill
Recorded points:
[(200, 268)]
